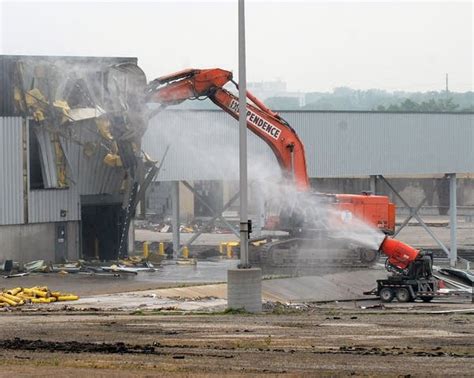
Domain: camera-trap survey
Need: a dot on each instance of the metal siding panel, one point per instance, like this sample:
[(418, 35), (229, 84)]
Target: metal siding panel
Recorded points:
[(93, 175), (11, 171), (337, 144), (204, 146), (46, 205)]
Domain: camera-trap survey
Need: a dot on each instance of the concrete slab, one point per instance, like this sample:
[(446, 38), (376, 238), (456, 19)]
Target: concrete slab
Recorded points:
[(244, 289)]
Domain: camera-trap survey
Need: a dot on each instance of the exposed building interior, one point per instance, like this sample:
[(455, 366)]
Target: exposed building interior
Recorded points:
[(78, 123)]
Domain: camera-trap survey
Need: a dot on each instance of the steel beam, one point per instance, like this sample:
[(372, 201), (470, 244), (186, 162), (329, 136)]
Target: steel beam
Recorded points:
[(373, 184), (214, 212), (212, 220), (453, 218), (413, 211), (416, 216), (260, 206)]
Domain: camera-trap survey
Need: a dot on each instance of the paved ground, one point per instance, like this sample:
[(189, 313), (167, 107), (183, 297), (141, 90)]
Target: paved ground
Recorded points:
[(333, 339), (115, 330), (168, 275)]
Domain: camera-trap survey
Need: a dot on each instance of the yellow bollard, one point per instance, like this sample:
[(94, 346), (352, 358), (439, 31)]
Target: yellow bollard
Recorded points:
[(230, 251), (146, 250), (222, 247), (185, 252), (161, 249)]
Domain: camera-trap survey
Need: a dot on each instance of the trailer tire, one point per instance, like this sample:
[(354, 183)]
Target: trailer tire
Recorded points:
[(386, 295), (403, 295), (426, 299), (368, 256)]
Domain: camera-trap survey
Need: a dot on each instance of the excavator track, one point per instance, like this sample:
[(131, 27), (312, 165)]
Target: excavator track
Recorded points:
[(300, 256)]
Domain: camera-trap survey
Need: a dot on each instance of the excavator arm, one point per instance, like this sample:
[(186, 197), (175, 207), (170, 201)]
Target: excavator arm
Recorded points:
[(268, 125)]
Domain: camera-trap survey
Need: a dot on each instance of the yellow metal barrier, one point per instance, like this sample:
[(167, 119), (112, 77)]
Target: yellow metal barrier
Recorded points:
[(161, 249), (230, 251), (222, 247), (146, 250), (185, 252)]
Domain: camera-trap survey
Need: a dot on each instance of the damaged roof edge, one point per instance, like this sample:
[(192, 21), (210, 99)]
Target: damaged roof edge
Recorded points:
[(8, 64)]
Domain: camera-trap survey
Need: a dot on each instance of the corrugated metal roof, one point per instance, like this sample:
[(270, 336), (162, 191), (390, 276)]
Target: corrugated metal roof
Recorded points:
[(68, 65), (204, 144), (11, 171)]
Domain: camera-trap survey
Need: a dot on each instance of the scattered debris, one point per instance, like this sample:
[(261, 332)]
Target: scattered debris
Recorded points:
[(131, 265), (465, 277), (375, 306), (16, 275), (36, 266), (19, 296)]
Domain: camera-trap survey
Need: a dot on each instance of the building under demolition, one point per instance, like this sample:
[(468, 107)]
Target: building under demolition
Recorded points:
[(71, 163)]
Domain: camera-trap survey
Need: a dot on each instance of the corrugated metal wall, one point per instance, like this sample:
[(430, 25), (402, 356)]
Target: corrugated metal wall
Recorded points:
[(366, 143), (204, 144), (89, 176), (11, 171), (46, 205)]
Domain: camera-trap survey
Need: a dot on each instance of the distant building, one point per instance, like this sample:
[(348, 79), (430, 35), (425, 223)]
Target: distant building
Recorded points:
[(269, 89)]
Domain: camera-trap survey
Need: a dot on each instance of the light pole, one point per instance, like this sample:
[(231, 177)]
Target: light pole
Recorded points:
[(244, 285), (243, 176)]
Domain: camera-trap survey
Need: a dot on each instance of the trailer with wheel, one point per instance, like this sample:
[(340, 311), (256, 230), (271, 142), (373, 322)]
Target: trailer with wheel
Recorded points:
[(407, 290)]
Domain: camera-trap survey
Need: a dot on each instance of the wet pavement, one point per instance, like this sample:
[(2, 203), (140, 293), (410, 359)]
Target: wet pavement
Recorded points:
[(167, 275)]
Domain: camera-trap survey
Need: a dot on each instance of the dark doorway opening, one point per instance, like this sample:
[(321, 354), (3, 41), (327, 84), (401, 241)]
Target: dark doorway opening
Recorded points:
[(101, 228), (36, 170)]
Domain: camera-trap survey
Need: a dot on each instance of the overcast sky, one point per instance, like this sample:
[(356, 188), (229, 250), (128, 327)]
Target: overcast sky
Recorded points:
[(312, 45)]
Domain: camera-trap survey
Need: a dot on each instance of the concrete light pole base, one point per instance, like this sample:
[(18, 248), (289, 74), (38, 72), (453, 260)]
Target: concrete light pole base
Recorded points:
[(244, 289)]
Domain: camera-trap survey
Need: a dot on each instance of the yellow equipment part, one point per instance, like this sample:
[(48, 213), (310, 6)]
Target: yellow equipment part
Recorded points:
[(68, 297), (11, 297), (40, 293), (8, 301), (14, 291), (43, 300)]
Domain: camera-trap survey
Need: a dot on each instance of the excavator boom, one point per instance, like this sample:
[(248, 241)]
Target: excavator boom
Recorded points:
[(268, 125), (276, 132)]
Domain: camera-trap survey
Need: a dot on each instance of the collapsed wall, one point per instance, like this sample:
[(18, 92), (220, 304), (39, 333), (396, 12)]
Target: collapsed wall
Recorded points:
[(72, 164)]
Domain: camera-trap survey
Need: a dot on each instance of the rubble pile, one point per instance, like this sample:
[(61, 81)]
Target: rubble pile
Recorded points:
[(188, 227), (20, 296), (131, 265)]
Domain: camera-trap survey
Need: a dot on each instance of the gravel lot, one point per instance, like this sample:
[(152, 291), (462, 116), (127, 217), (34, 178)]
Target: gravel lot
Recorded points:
[(331, 339)]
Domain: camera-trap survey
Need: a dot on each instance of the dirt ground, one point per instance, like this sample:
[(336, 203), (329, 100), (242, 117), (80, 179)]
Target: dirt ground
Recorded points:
[(327, 339)]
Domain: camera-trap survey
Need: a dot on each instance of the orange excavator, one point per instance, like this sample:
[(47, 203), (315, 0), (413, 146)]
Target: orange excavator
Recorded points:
[(296, 251)]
